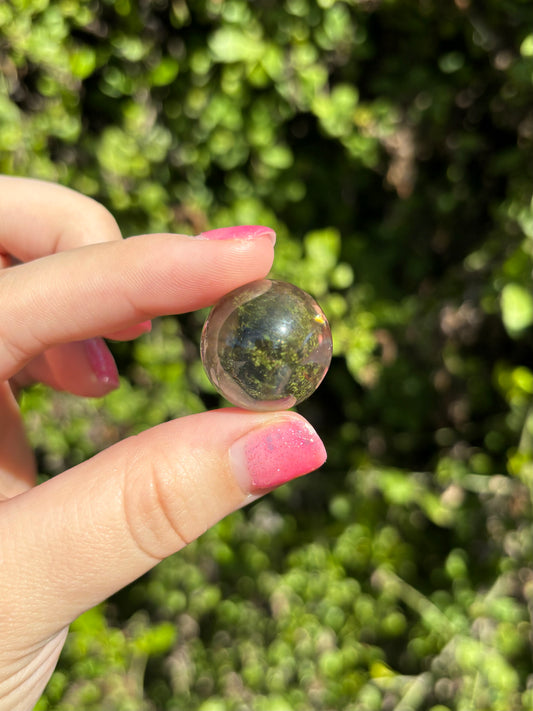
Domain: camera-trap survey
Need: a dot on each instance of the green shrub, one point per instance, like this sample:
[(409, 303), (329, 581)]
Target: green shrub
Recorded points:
[(390, 145)]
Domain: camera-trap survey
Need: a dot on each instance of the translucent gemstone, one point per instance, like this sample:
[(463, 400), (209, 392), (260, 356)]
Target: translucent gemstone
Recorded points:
[(266, 345)]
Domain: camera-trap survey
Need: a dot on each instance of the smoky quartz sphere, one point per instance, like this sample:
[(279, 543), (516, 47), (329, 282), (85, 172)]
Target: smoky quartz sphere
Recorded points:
[(266, 345)]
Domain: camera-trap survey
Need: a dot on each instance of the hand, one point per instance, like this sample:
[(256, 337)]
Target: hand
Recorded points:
[(73, 541)]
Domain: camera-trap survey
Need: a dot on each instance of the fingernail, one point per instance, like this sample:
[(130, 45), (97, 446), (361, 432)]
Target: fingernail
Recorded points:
[(101, 362), (276, 453), (246, 232), (144, 327)]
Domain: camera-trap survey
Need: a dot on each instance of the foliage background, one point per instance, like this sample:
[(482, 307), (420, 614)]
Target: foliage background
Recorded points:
[(389, 142)]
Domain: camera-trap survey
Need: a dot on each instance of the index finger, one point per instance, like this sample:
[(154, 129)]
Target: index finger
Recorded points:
[(105, 288)]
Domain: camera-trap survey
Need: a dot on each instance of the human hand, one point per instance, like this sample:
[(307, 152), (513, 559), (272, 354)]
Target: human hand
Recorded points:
[(73, 541)]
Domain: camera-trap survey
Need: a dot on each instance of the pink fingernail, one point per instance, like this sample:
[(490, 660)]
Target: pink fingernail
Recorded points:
[(101, 362), (245, 232), (274, 454), (144, 327)]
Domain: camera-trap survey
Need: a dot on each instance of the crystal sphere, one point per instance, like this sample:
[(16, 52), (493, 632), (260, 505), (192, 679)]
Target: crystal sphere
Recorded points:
[(266, 345)]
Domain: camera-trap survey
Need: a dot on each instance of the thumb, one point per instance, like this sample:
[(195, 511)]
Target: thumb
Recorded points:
[(76, 539)]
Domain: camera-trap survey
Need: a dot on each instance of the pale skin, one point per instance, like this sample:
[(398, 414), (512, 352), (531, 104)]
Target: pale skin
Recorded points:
[(66, 275)]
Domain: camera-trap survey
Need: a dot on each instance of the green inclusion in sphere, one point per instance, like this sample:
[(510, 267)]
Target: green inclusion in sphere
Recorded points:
[(266, 345)]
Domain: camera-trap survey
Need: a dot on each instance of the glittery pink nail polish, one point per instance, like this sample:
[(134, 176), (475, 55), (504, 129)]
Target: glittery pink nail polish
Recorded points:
[(246, 232), (276, 453), (101, 362)]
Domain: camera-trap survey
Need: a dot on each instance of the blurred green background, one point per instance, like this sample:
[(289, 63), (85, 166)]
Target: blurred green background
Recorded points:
[(390, 144)]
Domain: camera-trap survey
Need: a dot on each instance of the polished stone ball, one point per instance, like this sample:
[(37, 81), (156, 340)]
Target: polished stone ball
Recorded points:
[(266, 345)]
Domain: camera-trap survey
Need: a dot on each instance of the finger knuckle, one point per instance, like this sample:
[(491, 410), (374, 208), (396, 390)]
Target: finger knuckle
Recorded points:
[(88, 222), (18, 342), (157, 510), (103, 219)]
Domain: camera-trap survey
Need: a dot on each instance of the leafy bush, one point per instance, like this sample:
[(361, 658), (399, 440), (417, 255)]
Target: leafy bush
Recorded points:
[(390, 145)]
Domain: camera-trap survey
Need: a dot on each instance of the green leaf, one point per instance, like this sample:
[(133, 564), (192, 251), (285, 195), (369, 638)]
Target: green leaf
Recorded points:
[(229, 44), (526, 48), (156, 640), (517, 308), (323, 247), (82, 62), (165, 72)]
